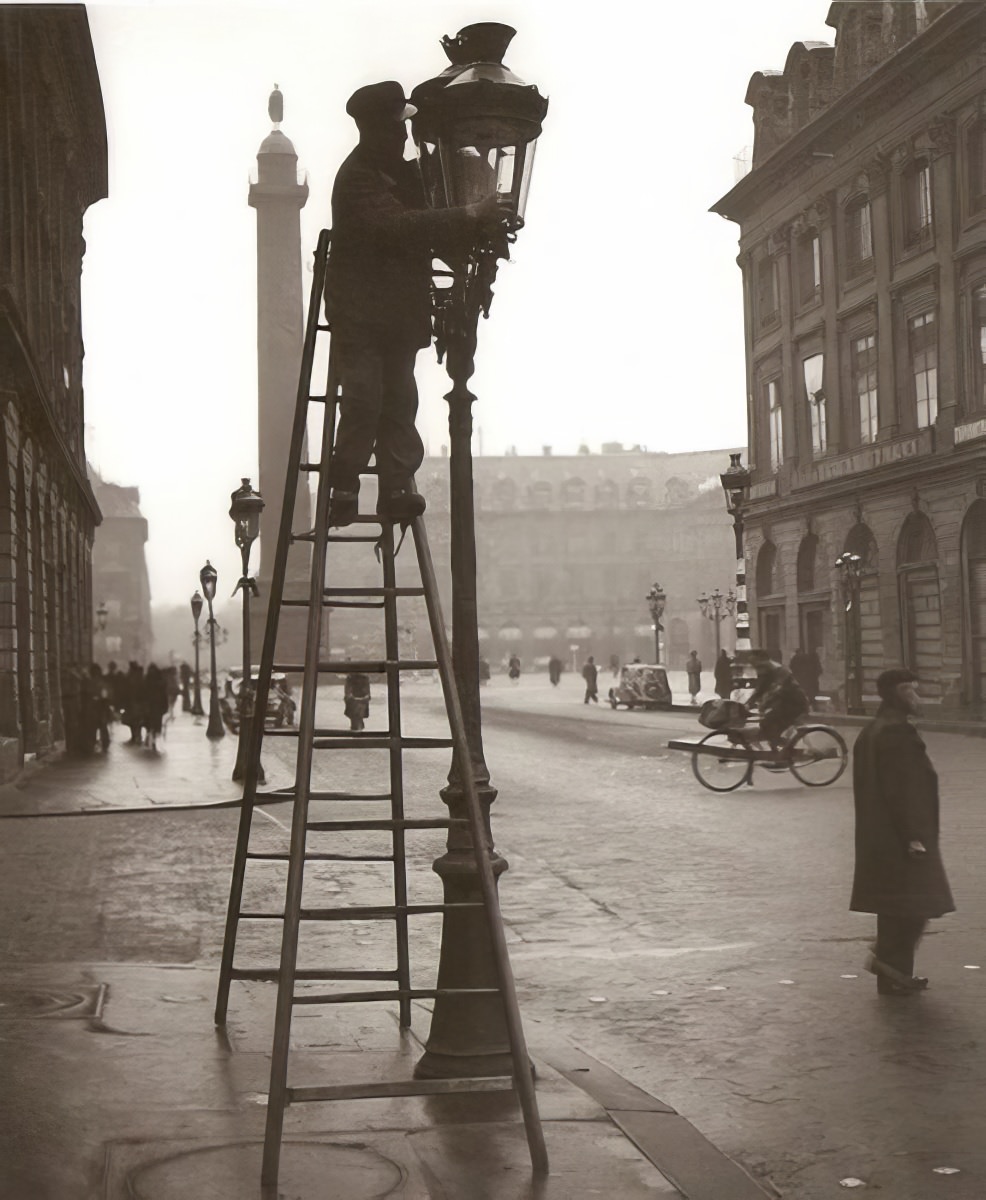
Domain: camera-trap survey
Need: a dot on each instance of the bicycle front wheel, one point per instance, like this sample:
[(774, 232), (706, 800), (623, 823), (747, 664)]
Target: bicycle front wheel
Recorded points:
[(818, 755), (720, 764)]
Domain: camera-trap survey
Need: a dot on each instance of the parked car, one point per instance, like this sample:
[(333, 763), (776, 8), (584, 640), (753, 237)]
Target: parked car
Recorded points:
[(641, 685), (280, 703)]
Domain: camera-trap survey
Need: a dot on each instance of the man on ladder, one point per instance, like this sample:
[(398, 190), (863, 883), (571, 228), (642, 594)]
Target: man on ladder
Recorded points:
[(378, 301)]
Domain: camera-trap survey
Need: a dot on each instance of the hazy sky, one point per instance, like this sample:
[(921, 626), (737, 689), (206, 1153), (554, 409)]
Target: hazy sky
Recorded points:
[(619, 320)]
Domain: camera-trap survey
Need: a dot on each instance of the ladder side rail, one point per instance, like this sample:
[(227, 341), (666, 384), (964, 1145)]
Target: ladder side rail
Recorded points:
[(392, 649), (277, 1092), (523, 1075), (267, 653)]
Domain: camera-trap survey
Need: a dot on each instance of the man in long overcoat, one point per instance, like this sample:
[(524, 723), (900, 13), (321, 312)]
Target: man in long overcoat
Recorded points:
[(899, 871)]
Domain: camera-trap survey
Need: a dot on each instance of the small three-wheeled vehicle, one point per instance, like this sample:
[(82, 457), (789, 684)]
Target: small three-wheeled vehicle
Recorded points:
[(641, 685), (280, 702)]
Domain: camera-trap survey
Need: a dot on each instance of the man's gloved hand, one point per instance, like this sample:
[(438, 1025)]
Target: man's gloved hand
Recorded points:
[(488, 214), (916, 849)]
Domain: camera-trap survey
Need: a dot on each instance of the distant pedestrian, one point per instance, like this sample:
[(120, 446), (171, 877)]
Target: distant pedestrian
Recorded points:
[(591, 676), (555, 668), (155, 703), (133, 703), (172, 687), (806, 667), (116, 684), (513, 668), (484, 670), (185, 678), (99, 698), (614, 665), (356, 697), (724, 675), (693, 666), (899, 872)]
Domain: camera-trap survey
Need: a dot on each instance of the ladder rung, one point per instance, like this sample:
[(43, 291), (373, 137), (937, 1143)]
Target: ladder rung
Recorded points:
[(320, 856), (348, 741), (382, 912), (373, 591), (402, 823), (354, 604), (341, 537), (396, 994), (272, 974), (376, 667), (289, 793), (309, 466), (410, 1087)]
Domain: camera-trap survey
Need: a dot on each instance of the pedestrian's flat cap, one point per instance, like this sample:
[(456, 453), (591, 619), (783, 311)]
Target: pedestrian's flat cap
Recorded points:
[(380, 101), (888, 682)]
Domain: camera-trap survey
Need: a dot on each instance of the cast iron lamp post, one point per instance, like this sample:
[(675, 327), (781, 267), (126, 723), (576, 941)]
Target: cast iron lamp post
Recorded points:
[(736, 485), (245, 510), (656, 600), (851, 576), (197, 602), (716, 607), (208, 577), (474, 133)]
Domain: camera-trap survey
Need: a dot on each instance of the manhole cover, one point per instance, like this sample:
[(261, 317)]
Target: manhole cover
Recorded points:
[(230, 1172), (80, 1000)]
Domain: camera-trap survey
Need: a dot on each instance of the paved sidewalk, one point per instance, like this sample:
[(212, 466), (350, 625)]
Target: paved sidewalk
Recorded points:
[(119, 1087)]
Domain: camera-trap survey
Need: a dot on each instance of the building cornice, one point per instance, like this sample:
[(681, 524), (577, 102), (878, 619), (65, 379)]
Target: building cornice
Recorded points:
[(913, 65)]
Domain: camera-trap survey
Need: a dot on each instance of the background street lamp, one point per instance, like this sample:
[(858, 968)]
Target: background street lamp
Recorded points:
[(716, 607), (736, 485), (474, 133), (656, 600), (851, 574), (197, 603), (101, 614), (245, 510), (208, 577)]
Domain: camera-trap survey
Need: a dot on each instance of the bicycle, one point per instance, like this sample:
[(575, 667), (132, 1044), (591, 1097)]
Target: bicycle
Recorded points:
[(724, 759)]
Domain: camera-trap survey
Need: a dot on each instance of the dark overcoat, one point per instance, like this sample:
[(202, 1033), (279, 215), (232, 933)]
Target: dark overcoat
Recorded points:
[(895, 788)]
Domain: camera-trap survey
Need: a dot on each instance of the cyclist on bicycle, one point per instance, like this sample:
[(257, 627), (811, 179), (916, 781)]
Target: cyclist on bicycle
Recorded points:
[(778, 696)]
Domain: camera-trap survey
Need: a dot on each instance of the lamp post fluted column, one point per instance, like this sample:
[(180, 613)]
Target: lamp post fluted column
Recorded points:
[(851, 572), (214, 730), (715, 607), (245, 510), (197, 602), (736, 482), (656, 601)]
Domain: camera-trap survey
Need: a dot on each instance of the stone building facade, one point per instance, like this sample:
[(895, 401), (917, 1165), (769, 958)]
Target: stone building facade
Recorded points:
[(568, 547), (119, 578), (863, 253), (53, 165)]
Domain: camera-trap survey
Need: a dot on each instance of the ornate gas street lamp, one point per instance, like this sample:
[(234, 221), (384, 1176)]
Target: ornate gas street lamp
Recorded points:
[(197, 602), (474, 132), (716, 608), (851, 575), (101, 614), (656, 600), (245, 509), (736, 485), (208, 577)]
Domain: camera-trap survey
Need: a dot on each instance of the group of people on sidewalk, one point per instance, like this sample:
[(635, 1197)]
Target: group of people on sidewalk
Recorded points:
[(138, 698)]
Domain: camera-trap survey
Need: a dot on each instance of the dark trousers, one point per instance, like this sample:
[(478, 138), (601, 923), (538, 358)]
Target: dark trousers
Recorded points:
[(897, 939), (379, 401)]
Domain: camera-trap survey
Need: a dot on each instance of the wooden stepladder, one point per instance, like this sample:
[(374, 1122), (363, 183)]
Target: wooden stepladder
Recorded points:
[(311, 741)]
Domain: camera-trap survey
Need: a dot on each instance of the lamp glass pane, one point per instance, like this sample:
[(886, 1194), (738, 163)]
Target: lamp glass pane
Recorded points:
[(525, 159)]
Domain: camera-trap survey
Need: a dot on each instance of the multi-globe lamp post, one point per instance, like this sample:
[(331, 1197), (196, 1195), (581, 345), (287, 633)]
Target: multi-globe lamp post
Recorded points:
[(245, 509), (716, 607), (656, 602), (474, 131), (207, 578), (196, 605), (850, 568)]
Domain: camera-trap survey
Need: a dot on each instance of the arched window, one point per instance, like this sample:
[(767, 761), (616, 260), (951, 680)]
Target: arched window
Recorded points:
[(974, 580), (539, 494), (920, 601), (766, 570), (807, 564), (639, 492), (862, 542)]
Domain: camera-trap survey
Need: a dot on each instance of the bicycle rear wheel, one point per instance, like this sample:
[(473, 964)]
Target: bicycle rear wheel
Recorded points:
[(818, 755), (721, 772)]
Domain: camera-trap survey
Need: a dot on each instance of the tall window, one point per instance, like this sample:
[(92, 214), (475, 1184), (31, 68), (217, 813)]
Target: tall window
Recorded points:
[(814, 369), (918, 212), (859, 236), (809, 267), (976, 163), (767, 292), (924, 366), (979, 347), (864, 384), (775, 420)]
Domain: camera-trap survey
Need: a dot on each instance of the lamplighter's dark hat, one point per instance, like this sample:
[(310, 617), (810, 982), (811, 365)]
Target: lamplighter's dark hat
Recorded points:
[(380, 101), (888, 682)]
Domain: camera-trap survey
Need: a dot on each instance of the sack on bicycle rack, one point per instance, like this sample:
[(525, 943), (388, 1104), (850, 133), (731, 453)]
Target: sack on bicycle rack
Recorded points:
[(715, 714)]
